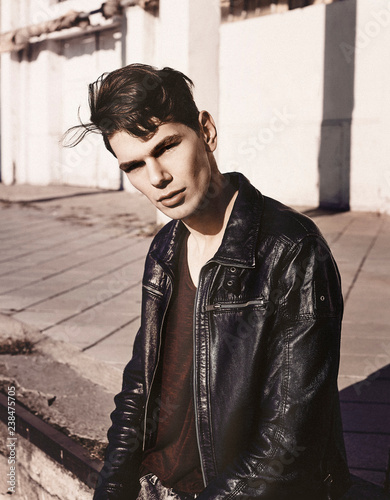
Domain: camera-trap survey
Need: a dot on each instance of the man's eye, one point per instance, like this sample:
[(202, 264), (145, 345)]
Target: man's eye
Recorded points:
[(131, 168), (169, 146)]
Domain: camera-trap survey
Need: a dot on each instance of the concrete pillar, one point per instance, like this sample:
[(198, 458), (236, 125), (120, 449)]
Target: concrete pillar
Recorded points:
[(334, 159), (138, 46), (9, 104), (8, 160), (189, 42), (138, 35), (39, 124), (29, 94)]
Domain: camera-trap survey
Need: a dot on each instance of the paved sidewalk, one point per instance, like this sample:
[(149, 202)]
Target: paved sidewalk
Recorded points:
[(71, 263)]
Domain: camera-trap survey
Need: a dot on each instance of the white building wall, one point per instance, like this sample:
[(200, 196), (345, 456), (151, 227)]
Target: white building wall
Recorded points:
[(10, 104), (264, 79), (9, 119), (370, 174), (271, 72), (42, 89), (88, 163), (272, 88), (39, 126)]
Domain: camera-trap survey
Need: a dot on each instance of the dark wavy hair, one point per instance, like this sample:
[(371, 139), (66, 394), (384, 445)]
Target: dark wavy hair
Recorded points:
[(138, 99)]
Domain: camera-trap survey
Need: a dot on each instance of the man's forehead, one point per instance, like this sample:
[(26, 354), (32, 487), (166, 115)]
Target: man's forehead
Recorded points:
[(162, 131)]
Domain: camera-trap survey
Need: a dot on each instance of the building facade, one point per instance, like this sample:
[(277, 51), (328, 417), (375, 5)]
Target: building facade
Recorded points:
[(300, 89)]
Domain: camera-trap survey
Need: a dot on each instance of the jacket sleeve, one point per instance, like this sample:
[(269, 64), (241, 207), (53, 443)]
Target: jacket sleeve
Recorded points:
[(118, 478), (285, 457)]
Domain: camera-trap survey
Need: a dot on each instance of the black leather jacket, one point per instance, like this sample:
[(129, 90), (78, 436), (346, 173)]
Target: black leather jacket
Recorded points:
[(266, 354)]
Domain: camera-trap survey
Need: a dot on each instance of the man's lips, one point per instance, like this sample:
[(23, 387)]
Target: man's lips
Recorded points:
[(172, 198)]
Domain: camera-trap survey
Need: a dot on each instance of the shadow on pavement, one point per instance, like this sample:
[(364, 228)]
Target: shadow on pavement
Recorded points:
[(320, 212), (365, 409)]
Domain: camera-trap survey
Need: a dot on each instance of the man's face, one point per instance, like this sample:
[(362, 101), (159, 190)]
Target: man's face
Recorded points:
[(172, 168)]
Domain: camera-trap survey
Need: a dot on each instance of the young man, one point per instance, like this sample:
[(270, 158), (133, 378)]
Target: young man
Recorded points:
[(232, 388)]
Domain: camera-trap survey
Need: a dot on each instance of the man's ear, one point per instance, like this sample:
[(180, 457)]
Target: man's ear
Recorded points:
[(208, 131)]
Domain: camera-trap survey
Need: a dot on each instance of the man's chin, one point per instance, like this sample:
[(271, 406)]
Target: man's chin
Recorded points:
[(172, 214), (178, 213)]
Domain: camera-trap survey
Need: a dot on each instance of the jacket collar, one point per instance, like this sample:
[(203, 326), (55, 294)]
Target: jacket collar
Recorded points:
[(238, 245)]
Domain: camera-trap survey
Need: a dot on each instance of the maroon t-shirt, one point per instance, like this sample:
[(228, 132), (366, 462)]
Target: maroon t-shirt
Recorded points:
[(175, 458)]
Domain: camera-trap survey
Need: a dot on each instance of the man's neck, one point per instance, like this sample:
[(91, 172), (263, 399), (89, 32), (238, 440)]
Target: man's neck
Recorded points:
[(208, 225), (212, 216)]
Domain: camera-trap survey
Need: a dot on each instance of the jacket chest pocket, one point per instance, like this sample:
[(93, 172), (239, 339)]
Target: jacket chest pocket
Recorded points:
[(236, 327), (259, 302)]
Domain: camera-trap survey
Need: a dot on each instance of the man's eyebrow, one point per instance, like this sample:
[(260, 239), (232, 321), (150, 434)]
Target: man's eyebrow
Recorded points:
[(156, 150), (170, 139), (128, 165)]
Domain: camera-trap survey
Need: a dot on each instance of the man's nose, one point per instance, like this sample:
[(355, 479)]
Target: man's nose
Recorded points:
[(158, 176)]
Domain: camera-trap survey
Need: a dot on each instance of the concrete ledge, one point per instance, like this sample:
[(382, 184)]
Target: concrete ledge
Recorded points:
[(53, 443), (109, 377), (65, 399), (65, 387), (38, 476)]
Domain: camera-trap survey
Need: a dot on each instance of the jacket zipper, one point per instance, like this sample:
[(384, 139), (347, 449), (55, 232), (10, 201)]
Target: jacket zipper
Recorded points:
[(157, 362), (195, 387), (212, 307), (235, 305), (194, 374)]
